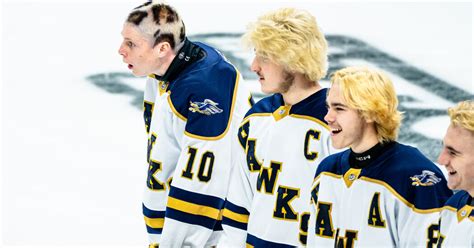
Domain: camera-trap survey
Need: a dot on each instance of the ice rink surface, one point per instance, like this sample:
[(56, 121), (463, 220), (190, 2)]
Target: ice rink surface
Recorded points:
[(73, 141)]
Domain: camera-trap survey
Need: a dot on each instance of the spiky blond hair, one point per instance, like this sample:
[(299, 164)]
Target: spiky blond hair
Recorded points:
[(291, 38)]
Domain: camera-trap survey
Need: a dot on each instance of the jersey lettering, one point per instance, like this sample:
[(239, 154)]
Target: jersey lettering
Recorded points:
[(433, 236), (151, 182), (205, 166), (151, 144), (252, 160), (303, 236), (348, 240), (311, 135), (147, 112), (153, 167), (324, 226), (283, 209), (268, 177), (375, 215), (243, 134), (314, 194)]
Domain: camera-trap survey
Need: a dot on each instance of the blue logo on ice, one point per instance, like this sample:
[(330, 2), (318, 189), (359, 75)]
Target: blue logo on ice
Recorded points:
[(427, 178), (208, 107)]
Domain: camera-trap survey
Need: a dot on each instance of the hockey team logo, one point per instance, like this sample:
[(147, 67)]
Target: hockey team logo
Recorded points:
[(427, 178), (430, 99), (207, 107)]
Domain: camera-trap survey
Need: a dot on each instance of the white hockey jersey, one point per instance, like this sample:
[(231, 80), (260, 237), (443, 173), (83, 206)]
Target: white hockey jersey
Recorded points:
[(192, 124), (457, 222), (269, 197), (393, 202)]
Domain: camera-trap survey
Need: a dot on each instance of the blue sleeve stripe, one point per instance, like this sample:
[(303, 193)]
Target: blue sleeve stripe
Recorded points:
[(152, 213), (233, 223), (218, 226), (192, 219), (152, 230), (256, 242), (236, 209), (154, 220), (196, 198)]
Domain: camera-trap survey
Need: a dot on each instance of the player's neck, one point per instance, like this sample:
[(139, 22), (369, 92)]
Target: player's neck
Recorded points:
[(368, 139), (300, 90), (471, 193)]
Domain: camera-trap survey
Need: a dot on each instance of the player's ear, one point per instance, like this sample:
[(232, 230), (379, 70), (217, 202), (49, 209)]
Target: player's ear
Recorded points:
[(162, 49)]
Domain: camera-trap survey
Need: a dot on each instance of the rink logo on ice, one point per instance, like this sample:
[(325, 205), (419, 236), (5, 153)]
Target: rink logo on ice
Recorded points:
[(208, 107), (427, 178), (422, 96)]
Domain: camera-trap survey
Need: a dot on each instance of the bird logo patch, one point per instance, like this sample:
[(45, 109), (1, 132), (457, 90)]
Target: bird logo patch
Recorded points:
[(207, 107), (427, 178)]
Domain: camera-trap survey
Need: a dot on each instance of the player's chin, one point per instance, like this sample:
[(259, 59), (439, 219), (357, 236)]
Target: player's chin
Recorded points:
[(336, 143)]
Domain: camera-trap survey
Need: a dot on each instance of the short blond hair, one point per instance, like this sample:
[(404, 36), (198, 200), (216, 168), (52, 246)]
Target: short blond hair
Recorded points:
[(371, 92), (463, 115), (290, 38)]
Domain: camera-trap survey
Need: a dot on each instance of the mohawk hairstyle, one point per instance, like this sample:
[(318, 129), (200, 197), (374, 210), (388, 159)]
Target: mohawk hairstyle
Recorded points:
[(160, 22)]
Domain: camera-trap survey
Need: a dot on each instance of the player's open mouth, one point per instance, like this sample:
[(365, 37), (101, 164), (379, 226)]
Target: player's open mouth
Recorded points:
[(335, 130), (452, 172), (130, 66)]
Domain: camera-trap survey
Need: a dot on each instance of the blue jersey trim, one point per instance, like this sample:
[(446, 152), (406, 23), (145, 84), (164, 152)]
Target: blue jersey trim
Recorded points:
[(395, 167), (196, 198), (200, 220), (256, 242)]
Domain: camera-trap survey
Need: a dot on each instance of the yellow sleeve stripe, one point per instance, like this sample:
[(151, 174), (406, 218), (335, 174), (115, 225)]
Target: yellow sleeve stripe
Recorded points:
[(154, 222), (192, 208), (243, 218)]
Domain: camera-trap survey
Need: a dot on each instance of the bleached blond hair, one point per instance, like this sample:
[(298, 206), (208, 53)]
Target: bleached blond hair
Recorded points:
[(463, 115), (291, 38), (371, 92)]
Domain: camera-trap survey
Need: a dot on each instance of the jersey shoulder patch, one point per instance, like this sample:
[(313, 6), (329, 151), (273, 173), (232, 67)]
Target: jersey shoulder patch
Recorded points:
[(204, 95)]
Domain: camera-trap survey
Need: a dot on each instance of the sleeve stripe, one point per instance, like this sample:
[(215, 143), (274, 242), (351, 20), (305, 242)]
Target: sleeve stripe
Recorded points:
[(256, 242), (235, 208), (218, 226), (192, 208), (233, 223), (154, 223), (152, 213), (243, 218), (203, 221), (196, 198), (151, 230), (154, 220)]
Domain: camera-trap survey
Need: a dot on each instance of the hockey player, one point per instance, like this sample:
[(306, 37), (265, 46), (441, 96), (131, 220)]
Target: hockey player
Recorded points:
[(193, 104), (457, 217), (283, 137), (378, 193)]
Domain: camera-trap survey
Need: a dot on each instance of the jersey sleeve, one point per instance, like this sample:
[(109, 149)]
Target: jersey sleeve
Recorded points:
[(200, 180), (239, 198), (419, 225)]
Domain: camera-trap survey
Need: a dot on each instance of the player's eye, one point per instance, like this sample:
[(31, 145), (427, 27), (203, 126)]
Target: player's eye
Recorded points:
[(130, 44)]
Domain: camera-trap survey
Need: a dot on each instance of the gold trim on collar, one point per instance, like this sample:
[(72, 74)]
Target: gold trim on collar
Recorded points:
[(281, 112), (464, 212), (350, 176)]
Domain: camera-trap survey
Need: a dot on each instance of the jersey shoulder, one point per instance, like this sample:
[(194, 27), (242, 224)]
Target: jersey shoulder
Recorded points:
[(313, 107), (203, 95), (412, 176), (266, 105), (458, 200), (336, 164)]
